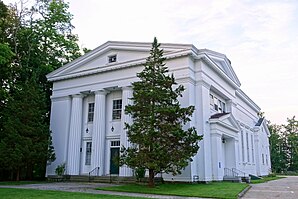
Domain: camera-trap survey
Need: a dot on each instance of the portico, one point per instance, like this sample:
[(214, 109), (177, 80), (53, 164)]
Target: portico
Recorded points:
[(224, 143)]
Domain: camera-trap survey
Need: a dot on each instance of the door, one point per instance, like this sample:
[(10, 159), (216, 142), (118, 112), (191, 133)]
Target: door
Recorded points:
[(114, 161)]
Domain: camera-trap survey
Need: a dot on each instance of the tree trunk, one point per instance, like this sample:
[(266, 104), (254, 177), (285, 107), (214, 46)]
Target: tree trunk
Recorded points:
[(151, 178), (18, 174)]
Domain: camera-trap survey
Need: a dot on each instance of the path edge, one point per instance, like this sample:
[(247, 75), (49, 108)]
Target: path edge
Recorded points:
[(243, 191)]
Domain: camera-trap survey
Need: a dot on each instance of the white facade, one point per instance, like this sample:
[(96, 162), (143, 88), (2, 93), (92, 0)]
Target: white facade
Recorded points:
[(90, 94)]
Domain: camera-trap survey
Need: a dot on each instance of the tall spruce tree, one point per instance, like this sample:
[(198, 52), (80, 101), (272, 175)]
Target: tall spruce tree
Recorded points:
[(159, 141)]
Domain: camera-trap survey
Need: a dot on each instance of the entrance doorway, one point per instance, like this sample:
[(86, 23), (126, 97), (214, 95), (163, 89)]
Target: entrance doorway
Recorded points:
[(114, 160)]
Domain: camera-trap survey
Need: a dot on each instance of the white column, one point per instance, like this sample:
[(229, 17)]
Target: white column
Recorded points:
[(99, 131), (75, 130), (203, 128), (216, 155), (237, 153), (127, 93)]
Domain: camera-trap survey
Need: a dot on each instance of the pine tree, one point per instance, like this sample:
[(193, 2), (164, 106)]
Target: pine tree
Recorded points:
[(159, 142)]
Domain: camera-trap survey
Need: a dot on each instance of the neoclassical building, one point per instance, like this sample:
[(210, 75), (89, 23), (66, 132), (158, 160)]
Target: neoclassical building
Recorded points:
[(90, 94)]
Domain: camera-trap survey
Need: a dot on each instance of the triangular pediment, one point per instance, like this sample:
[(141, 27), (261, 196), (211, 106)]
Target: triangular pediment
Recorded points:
[(226, 120), (222, 64), (127, 53)]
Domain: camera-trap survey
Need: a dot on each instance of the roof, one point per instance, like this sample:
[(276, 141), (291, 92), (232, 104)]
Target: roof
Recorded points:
[(260, 121), (218, 115)]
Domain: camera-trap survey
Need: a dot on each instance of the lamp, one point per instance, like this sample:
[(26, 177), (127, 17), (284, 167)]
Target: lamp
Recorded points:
[(87, 130), (112, 129)]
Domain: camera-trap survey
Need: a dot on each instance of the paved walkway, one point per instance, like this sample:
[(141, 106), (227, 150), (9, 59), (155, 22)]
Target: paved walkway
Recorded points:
[(286, 188), (88, 188)]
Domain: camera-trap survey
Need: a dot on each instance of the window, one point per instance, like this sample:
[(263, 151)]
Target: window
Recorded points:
[(242, 146), (223, 106), (211, 100), (252, 149), (247, 147), (90, 112), (215, 103), (115, 143), (88, 153), (263, 161), (266, 159), (112, 58), (117, 106)]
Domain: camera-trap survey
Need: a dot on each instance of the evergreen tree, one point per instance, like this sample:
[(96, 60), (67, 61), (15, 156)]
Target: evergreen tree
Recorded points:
[(159, 141)]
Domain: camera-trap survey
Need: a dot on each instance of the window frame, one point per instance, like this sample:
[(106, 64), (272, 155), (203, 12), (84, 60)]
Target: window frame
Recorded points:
[(116, 111), (247, 147), (90, 113), (112, 58), (88, 153), (242, 146)]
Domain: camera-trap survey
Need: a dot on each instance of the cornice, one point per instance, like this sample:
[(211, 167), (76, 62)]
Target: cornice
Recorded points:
[(249, 101), (208, 60), (116, 66)]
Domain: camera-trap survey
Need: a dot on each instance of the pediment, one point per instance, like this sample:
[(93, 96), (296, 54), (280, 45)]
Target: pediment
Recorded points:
[(222, 64), (127, 53), (226, 120)]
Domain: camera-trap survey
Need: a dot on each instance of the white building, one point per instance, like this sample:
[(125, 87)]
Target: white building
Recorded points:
[(90, 93)]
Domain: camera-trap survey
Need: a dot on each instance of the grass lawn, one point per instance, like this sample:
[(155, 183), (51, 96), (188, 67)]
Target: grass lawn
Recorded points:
[(7, 193), (266, 179), (212, 190)]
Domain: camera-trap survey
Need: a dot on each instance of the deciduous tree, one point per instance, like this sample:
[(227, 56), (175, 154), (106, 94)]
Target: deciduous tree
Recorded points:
[(36, 40)]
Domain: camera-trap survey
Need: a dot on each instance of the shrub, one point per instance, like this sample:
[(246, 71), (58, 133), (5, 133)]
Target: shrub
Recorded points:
[(60, 169)]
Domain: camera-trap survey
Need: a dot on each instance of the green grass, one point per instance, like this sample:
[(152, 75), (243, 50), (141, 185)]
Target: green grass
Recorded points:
[(212, 190), (7, 193), (20, 182), (266, 179)]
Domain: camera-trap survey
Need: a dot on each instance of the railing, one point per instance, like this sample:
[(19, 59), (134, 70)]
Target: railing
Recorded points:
[(240, 173), (93, 172), (230, 172)]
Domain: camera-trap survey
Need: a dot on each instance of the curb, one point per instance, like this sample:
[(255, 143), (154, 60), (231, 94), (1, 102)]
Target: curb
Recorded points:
[(244, 191)]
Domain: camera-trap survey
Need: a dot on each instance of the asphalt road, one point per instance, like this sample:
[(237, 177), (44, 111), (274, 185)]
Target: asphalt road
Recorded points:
[(286, 188)]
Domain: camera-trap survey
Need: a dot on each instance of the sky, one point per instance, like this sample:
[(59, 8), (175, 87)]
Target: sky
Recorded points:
[(260, 37)]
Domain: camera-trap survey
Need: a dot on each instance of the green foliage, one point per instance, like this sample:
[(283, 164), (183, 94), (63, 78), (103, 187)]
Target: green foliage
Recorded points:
[(60, 170), (33, 42), (211, 190), (140, 173), (159, 142), (277, 149), (284, 146)]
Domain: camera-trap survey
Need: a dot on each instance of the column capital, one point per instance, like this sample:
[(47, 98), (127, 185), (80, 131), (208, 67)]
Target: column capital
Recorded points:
[(79, 95), (101, 92), (216, 134), (128, 88), (204, 84)]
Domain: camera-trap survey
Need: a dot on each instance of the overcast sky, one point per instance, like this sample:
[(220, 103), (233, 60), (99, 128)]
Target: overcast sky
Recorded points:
[(260, 37)]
